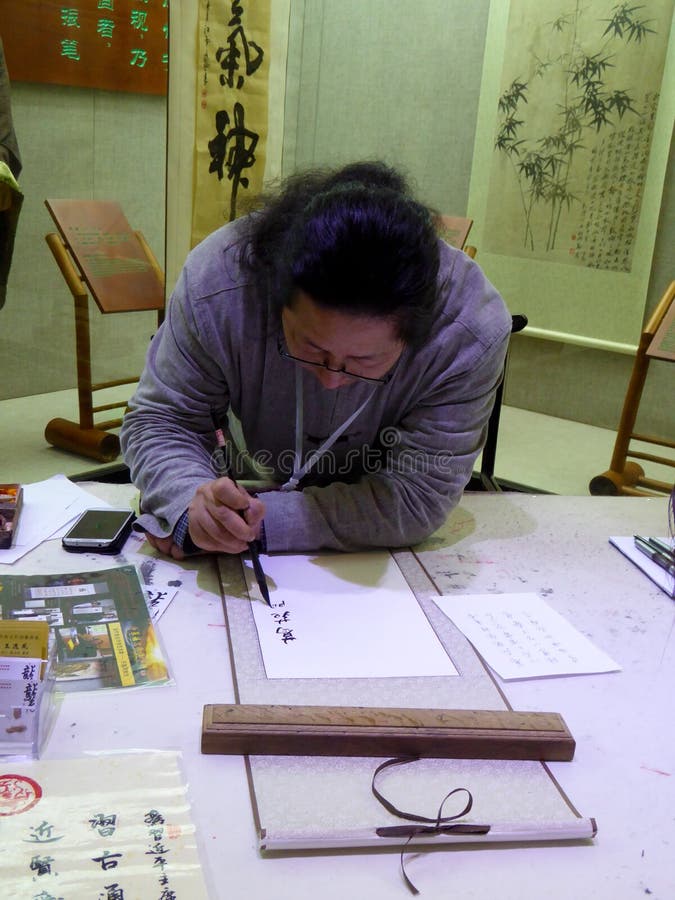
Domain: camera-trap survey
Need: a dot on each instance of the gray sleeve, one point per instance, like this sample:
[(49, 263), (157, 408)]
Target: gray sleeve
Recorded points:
[(167, 434), (432, 452)]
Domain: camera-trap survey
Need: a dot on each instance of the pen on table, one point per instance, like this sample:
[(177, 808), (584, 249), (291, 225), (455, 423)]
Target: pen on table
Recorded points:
[(665, 561), (662, 547), (253, 548)]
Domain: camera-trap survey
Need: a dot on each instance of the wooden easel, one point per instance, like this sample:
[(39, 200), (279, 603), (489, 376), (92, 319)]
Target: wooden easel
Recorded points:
[(98, 253), (623, 476)]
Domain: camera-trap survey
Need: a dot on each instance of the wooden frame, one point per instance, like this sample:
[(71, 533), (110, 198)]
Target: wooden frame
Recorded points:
[(98, 253), (623, 475)]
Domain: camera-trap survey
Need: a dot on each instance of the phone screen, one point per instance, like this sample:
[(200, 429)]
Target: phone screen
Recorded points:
[(99, 525)]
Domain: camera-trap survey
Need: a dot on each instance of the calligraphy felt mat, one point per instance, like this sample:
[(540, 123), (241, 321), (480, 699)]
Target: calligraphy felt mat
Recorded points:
[(327, 802)]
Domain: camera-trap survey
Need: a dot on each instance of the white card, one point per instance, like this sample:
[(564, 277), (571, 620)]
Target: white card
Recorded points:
[(521, 636)]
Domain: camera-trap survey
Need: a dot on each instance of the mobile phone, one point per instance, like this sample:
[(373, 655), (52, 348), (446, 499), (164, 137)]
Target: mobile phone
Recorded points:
[(99, 531)]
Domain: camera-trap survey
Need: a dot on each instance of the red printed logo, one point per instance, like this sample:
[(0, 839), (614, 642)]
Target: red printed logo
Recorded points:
[(18, 794)]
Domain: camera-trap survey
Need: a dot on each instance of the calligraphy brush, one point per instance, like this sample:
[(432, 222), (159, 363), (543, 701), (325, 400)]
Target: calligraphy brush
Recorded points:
[(253, 545)]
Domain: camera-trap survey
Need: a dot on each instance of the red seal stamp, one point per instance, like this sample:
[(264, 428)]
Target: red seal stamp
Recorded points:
[(18, 794)]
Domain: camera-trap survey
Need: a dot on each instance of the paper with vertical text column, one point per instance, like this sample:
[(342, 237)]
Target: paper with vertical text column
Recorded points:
[(115, 825), (521, 636)]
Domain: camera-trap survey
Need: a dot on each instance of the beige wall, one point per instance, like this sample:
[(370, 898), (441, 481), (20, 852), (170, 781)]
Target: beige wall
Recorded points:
[(401, 81), (589, 385), (86, 144)]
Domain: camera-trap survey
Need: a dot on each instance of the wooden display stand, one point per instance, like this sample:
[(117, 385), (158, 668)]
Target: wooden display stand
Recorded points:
[(623, 476), (455, 230), (98, 253)]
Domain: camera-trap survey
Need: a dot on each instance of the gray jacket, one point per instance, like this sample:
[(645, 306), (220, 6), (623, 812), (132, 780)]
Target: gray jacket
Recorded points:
[(391, 478)]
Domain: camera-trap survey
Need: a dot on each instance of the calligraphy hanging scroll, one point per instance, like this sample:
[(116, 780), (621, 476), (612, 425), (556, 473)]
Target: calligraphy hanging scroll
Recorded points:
[(115, 45), (232, 106)]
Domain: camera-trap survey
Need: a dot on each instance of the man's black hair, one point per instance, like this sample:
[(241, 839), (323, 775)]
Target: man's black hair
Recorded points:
[(354, 240)]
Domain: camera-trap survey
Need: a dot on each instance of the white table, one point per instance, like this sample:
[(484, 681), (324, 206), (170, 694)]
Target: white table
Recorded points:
[(623, 772)]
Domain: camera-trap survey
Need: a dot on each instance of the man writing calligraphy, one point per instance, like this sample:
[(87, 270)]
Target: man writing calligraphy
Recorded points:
[(355, 355)]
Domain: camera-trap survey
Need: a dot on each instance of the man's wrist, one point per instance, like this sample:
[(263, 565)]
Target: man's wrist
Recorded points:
[(181, 535)]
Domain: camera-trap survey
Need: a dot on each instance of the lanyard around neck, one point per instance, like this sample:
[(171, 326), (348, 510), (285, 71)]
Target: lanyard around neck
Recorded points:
[(299, 470)]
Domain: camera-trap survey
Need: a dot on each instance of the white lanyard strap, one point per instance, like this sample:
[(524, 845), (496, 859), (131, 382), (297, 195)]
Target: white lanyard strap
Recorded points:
[(299, 471)]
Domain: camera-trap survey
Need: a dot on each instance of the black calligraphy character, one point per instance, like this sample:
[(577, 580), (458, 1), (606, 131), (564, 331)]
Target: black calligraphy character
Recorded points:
[(234, 151), (42, 864), (113, 892), (30, 693), (153, 818), (104, 824), (108, 860), (157, 849), (241, 155), (43, 834), (286, 634), (228, 57), (156, 597)]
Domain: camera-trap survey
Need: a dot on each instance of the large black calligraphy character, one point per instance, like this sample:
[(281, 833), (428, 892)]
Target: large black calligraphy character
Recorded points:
[(233, 150), (229, 56)]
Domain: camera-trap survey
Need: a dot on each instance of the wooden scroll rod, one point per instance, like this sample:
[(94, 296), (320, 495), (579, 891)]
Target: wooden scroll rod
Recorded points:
[(372, 731)]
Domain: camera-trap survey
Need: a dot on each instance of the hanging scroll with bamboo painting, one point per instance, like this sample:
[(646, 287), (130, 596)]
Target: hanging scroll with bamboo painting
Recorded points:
[(231, 120), (578, 138)]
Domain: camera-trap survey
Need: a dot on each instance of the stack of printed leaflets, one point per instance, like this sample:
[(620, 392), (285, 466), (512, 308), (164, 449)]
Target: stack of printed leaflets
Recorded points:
[(101, 627)]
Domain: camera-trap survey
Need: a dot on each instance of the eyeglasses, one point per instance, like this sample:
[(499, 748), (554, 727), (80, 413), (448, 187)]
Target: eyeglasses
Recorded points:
[(284, 354)]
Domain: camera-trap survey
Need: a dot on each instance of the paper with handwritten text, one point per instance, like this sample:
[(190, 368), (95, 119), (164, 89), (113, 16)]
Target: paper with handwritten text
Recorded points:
[(107, 826), (521, 636), (343, 615)]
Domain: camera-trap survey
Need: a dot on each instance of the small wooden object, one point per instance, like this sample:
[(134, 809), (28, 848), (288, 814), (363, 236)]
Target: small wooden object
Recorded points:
[(373, 731)]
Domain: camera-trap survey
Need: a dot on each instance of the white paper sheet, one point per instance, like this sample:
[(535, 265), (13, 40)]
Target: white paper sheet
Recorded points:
[(521, 636), (48, 506), (343, 616), (626, 545)]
